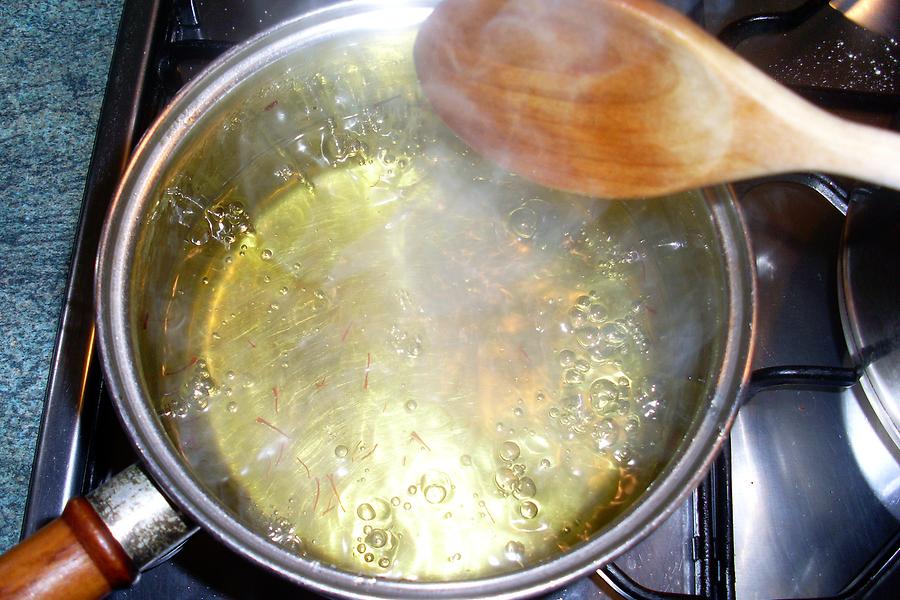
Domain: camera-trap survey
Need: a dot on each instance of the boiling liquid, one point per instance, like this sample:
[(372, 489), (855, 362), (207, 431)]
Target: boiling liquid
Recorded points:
[(402, 362)]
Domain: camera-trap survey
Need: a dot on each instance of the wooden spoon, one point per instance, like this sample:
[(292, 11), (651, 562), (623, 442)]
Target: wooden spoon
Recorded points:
[(625, 98)]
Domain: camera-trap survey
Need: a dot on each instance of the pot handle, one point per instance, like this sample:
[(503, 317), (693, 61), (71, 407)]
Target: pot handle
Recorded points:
[(100, 543), (74, 556)]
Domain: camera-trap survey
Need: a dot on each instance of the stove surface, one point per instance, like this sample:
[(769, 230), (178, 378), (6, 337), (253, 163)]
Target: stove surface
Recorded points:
[(814, 484)]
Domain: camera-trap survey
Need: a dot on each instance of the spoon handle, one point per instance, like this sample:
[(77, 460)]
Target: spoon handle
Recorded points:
[(859, 151)]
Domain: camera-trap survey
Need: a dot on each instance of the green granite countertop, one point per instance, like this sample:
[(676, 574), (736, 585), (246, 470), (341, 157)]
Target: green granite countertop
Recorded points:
[(53, 69)]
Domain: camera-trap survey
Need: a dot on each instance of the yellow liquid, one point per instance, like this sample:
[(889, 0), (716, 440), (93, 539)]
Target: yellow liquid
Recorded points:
[(402, 362)]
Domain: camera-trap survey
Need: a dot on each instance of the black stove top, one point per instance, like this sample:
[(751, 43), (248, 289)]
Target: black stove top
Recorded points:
[(805, 499)]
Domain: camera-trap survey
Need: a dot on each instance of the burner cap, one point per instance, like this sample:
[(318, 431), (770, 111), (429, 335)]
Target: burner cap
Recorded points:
[(870, 299)]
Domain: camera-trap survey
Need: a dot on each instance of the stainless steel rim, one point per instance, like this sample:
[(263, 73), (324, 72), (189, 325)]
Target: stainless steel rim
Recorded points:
[(117, 249)]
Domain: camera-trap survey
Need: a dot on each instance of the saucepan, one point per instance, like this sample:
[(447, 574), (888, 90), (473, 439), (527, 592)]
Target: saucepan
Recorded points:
[(363, 357)]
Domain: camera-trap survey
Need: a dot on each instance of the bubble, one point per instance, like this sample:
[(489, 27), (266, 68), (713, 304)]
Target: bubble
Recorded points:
[(554, 412), (506, 480), (598, 313), (266, 254), (407, 505), (231, 407), (649, 407), (514, 551), (518, 411), (395, 501), (340, 146), (545, 463), (410, 406), (282, 532), (384, 562), (526, 488), (528, 509), (465, 460), (572, 402), (598, 353), (614, 334), (436, 486), (455, 557), (583, 302), (369, 557), (572, 377), (605, 433), (377, 538), (603, 394), (435, 494), (198, 238), (577, 317), (632, 425), (509, 451), (320, 299), (523, 222), (404, 343), (625, 455), (341, 451), (365, 511), (566, 358), (361, 548), (283, 291), (588, 336)]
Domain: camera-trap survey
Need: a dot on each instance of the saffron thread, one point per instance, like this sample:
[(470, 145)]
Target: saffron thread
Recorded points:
[(190, 364), (416, 437), (305, 466), (336, 494), (368, 454), (262, 421)]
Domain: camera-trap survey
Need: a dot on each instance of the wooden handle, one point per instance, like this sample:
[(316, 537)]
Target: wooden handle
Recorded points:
[(74, 557), (867, 153)]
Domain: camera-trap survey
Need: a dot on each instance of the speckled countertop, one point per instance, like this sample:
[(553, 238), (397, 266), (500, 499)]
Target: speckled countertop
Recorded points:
[(53, 70)]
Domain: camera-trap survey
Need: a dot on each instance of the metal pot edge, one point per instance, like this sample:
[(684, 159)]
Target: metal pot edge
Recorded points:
[(141, 424)]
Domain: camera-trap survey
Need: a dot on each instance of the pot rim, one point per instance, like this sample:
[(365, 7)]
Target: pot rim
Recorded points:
[(115, 328)]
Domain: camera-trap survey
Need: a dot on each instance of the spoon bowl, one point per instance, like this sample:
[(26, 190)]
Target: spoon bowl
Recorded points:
[(624, 99)]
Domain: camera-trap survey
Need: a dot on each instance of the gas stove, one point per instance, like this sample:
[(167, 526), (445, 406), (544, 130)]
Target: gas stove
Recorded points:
[(804, 501)]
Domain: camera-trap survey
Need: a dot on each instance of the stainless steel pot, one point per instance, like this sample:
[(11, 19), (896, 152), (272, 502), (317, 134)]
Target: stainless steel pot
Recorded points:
[(137, 248)]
